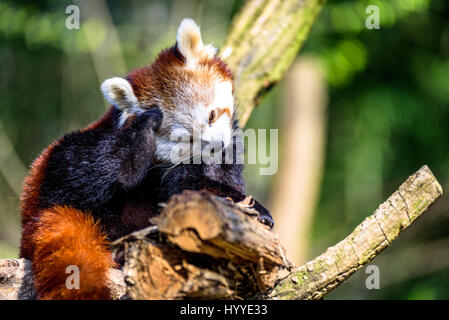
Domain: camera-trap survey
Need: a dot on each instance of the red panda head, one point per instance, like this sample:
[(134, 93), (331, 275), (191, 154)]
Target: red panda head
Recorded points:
[(188, 82)]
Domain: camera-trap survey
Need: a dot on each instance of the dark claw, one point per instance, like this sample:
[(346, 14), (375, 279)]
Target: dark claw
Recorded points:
[(267, 221), (264, 215)]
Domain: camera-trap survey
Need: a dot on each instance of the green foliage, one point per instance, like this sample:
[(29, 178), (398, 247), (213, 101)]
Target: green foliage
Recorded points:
[(388, 115)]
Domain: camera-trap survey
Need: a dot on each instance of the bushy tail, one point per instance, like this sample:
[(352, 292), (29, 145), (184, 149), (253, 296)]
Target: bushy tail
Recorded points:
[(70, 258)]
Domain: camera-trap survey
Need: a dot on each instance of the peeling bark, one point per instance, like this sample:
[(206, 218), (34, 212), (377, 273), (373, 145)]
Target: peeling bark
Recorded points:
[(203, 246)]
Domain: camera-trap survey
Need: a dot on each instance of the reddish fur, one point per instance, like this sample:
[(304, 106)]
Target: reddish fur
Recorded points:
[(222, 111), (31, 207), (219, 66), (65, 236), (163, 78), (40, 242), (57, 237), (30, 200)]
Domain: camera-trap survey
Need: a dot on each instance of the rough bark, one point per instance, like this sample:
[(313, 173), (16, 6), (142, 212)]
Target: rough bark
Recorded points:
[(204, 246), (263, 41), (374, 234)]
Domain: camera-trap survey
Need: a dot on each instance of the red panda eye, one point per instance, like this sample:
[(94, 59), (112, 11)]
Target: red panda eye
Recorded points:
[(211, 117)]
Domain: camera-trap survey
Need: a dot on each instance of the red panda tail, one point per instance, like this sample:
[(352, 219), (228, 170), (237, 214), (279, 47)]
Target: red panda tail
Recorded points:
[(67, 240)]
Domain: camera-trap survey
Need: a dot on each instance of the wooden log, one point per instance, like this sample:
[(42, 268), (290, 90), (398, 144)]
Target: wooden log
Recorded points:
[(203, 246)]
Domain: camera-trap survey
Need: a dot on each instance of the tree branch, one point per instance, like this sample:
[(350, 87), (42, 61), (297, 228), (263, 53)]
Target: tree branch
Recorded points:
[(322, 274), (208, 247), (263, 41)]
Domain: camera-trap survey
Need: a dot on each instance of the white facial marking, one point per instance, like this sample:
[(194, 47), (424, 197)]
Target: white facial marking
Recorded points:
[(223, 97), (220, 130), (201, 113), (215, 132)]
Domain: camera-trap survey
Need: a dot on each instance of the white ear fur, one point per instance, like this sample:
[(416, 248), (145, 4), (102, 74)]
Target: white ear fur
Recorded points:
[(190, 44), (119, 92)]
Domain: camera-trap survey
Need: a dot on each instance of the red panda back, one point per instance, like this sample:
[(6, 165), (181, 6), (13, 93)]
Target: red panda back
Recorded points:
[(30, 200)]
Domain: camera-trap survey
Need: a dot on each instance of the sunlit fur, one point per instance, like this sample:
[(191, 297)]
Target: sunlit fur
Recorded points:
[(186, 82)]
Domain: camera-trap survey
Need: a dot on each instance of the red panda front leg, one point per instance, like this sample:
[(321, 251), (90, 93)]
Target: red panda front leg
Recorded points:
[(68, 237)]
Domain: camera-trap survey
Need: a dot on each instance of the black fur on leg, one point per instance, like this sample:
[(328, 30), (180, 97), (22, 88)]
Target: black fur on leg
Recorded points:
[(137, 146)]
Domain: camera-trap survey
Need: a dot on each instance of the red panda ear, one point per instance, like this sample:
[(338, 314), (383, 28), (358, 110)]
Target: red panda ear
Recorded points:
[(190, 44), (119, 92)]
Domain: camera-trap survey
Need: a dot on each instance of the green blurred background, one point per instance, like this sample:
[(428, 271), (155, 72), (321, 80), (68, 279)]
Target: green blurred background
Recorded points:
[(387, 113)]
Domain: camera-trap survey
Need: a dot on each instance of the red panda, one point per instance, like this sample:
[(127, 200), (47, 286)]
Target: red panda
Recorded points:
[(104, 181)]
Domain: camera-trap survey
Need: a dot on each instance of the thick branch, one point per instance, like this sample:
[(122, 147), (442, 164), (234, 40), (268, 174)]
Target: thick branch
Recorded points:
[(209, 247), (203, 246), (374, 234), (262, 43)]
